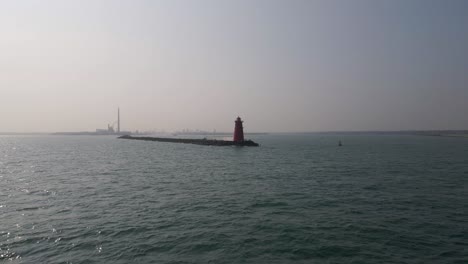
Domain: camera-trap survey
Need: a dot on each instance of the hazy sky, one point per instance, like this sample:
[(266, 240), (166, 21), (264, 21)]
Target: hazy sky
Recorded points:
[(285, 66)]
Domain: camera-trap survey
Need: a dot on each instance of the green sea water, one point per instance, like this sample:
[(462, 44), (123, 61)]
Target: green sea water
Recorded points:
[(295, 199)]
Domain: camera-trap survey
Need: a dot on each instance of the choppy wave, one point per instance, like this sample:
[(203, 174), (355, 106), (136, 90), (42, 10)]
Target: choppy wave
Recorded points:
[(296, 199)]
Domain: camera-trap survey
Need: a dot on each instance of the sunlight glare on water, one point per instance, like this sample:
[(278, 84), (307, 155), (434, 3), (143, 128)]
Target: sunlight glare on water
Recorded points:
[(297, 198)]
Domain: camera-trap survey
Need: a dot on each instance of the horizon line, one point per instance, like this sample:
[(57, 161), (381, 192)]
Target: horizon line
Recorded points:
[(266, 132)]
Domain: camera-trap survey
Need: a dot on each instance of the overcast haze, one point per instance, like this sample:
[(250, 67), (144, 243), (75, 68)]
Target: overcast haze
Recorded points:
[(282, 66)]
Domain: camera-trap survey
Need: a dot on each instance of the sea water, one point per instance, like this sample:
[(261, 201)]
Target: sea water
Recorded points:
[(295, 199)]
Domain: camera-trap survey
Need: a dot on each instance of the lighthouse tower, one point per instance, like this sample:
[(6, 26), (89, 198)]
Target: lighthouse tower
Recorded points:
[(238, 130)]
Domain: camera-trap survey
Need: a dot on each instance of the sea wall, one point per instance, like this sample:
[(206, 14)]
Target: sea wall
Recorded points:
[(206, 142)]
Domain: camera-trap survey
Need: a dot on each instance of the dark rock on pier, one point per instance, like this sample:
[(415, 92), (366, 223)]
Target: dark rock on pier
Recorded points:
[(206, 142)]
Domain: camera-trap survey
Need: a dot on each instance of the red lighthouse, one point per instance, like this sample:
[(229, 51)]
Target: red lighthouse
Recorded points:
[(238, 130)]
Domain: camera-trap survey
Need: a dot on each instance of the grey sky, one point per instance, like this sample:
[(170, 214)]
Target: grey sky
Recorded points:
[(281, 65)]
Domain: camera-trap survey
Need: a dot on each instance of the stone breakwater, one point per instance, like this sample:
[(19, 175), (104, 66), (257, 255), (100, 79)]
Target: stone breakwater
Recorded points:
[(206, 142)]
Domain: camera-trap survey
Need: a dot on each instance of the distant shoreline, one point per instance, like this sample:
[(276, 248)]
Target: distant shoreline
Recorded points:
[(23, 134), (445, 135), (433, 133)]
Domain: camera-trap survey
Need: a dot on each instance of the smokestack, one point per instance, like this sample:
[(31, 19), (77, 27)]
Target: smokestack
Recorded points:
[(118, 120)]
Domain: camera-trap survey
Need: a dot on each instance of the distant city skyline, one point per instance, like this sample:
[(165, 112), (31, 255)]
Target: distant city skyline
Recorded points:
[(283, 66)]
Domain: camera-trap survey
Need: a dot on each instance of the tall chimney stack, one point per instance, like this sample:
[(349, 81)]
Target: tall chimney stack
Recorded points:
[(118, 120)]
